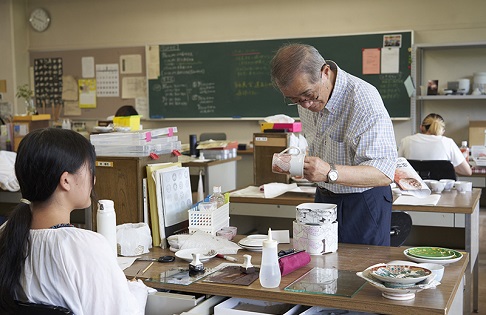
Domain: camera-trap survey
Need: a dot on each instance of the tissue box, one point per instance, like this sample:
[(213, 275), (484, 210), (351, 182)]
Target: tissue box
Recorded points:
[(290, 127), (316, 213), (228, 307)]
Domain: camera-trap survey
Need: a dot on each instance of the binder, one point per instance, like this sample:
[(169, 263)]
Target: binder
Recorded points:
[(174, 199), (152, 197)]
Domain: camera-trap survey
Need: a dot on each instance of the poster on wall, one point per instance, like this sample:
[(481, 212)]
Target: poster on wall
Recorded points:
[(48, 81), (87, 93)]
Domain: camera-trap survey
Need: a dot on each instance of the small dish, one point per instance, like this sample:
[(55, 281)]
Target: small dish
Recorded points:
[(457, 257), (400, 294), (255, 240), (186, 254), (431, 252), (103, 128), (401, 275)]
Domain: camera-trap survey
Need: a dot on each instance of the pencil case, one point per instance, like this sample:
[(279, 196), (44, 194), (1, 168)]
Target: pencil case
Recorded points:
[(293, 262)]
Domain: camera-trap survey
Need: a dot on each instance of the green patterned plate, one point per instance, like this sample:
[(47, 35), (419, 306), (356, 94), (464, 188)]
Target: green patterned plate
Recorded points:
[(431, 252)]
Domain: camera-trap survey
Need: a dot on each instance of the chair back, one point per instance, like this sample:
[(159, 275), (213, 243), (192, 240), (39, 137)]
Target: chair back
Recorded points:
[(27, 308), (213, 136), (434, 169), (401, 225)]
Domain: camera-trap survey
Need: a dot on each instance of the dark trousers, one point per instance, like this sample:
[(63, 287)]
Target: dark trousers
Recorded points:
[(363, 218)]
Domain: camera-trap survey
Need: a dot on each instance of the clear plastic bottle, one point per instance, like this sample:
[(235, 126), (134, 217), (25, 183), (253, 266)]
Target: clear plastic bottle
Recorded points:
[(269, 270), (106, 222), (217, 196), (465, 150)]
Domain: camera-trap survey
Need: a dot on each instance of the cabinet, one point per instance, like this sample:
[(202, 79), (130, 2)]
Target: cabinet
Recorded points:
[(120, 179), (264, 146), (448, 62), (25, 124)]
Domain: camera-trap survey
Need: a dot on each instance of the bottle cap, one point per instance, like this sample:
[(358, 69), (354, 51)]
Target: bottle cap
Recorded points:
[(269, 242), (216, 189), (464, 143), (106, 205)]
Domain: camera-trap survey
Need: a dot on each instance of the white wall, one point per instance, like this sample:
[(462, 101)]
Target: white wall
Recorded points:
[(111, 23)]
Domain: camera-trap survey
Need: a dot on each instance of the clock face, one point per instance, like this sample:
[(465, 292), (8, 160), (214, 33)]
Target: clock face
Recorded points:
[(39, 20)]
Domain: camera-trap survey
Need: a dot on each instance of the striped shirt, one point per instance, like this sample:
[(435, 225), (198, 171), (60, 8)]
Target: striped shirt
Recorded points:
[(354, 128)]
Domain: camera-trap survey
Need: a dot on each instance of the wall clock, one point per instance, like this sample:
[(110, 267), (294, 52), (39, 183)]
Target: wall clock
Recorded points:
[(39, 19)]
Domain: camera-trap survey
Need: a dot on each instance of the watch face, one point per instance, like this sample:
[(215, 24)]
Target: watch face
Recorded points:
[(333, 176), (39, 20)]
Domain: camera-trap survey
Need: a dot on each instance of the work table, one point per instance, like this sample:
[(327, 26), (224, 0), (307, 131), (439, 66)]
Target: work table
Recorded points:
[(446, 298)]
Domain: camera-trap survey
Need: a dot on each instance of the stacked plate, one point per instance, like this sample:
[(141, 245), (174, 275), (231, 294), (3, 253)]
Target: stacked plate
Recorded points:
[(397, 282), (435, 255), (253, 242)]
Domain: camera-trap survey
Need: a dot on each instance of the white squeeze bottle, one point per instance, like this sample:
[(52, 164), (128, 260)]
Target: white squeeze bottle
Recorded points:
[(106, 222), (269, 270), (217, 196)]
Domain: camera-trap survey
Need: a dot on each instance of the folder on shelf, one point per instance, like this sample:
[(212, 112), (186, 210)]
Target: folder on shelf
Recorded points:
[(174, 199), (152, 196)]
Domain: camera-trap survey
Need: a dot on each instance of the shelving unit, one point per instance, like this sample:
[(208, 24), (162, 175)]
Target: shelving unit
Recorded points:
[(445, 62)]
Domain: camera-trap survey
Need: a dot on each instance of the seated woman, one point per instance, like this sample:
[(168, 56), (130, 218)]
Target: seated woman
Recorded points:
[(43, 258), (430, 144)]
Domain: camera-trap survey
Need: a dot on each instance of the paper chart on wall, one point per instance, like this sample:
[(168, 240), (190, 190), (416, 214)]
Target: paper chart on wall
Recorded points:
[(175, 195)]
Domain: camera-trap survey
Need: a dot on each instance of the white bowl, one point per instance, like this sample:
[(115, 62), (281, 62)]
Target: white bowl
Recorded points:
[(449, 183), (437, 187), (437, 270), (429, 182), (463, 186)]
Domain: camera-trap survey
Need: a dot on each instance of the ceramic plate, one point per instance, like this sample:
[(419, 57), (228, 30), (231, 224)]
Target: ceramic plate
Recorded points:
[(431, 252), (457, 257), (251, 248), (255, 240), (399, 274), (186, 254), (391, 293), (103, 128)]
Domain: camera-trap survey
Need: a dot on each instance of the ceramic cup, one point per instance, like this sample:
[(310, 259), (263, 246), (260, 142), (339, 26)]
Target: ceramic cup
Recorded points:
[(289, 163), (448, 184), (429, 182), (437, 270), (463, 186), (437, 187)]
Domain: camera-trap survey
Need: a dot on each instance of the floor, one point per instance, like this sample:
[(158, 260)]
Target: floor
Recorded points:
[(482, 261)]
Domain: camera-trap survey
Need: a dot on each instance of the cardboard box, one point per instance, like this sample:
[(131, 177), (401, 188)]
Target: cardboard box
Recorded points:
[(228, 307), (476, 132)]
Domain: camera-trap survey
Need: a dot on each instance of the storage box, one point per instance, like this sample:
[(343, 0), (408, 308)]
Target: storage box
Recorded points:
[(128, 121), (228, 307), (289, 127), (476, 132), (209, 221)]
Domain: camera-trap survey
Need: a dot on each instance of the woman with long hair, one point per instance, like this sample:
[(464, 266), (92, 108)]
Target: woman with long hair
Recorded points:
[(43, 258)]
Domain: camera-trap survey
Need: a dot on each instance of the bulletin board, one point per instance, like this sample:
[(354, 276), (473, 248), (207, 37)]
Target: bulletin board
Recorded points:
[(51, 65), (232, 79)]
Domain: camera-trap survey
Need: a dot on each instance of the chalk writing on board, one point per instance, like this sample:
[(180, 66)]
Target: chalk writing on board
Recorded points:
[(250, 66), (390, 86)]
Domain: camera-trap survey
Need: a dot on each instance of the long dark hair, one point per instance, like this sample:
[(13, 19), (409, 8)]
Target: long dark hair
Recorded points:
[(42, 157)]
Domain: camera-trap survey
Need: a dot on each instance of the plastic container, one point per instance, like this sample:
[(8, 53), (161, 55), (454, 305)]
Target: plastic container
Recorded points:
[(217, 197), (106, 222), (269, 269), (209, 221), (465, 150)]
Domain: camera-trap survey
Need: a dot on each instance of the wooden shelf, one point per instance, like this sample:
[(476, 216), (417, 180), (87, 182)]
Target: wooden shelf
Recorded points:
[(32, 117), (451, 97)]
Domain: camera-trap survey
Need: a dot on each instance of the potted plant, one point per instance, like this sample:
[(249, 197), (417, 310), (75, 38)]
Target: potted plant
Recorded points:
[(27, 94)]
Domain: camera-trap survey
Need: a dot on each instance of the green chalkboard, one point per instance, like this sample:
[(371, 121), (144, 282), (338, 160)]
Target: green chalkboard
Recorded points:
[(232, 79)]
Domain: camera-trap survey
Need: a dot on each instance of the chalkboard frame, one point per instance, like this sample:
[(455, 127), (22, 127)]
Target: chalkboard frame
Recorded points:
[(391, 86)]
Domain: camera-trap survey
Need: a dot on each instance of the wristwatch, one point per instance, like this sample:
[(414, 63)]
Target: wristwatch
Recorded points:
[(333, 174)]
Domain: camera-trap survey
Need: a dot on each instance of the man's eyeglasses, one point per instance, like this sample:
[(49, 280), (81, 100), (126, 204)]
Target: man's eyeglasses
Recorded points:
[(308, 100)]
